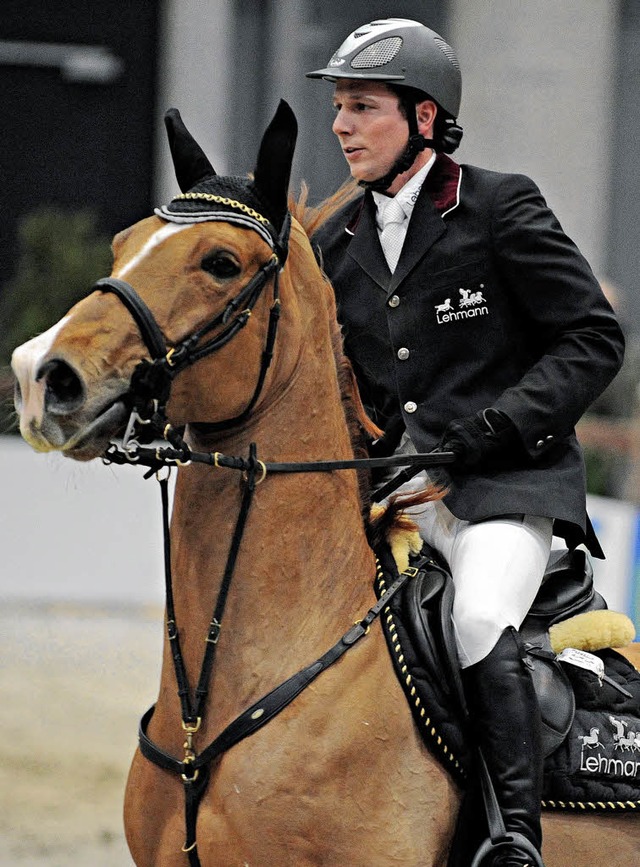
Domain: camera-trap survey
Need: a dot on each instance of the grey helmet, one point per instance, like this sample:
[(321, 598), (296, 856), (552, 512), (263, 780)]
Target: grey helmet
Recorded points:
[(401, 52), (409, 57)]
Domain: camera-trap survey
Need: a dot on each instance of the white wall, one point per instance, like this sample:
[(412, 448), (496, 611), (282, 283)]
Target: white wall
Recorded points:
[(84, 532), (537, 98), (87, 532), (195, 58)]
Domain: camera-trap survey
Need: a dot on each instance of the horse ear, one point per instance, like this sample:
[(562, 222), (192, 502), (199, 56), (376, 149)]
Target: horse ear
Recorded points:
[(273, 166), (189, 160)]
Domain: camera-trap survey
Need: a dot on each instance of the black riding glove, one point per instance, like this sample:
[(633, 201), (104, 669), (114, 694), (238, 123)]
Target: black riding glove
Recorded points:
[(484, 435)]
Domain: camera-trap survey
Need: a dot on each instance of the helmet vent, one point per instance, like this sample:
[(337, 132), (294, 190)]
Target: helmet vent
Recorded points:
[(378, 53), (447, 50)]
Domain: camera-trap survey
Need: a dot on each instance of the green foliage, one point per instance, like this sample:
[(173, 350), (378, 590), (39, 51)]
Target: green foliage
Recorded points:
[(60, 255)]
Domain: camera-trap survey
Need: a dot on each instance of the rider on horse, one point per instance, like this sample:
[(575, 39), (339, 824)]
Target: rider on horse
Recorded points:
[(473, 322)]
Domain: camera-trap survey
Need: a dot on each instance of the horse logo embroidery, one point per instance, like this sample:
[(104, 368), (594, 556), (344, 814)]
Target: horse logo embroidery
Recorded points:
[(470, 304), (444, 308), (470, 299), (611, 753), (592, 740), (622, 741)]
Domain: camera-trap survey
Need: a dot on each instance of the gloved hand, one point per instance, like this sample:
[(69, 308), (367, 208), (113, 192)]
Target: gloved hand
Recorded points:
[(481, 436)]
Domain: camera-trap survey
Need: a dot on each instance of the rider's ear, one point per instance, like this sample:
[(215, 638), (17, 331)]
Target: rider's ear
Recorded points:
[(189, 160), (273, 166)]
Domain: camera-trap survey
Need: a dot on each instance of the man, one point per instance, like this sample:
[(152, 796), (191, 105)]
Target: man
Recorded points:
[(472, 322)]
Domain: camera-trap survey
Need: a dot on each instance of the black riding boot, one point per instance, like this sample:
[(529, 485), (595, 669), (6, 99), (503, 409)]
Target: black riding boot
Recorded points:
[(505, 718)]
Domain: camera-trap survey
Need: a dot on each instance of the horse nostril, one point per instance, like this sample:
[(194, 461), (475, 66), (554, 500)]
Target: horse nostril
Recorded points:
[(17, 395), (64, 391)]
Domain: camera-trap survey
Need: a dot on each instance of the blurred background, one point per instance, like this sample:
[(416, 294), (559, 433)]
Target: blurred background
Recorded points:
[(549, 89)]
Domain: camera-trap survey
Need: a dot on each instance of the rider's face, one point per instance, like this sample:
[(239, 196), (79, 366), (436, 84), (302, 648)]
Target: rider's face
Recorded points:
[(371, 129)]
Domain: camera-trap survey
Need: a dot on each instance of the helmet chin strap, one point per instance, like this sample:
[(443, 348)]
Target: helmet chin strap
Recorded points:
[(415, 145)]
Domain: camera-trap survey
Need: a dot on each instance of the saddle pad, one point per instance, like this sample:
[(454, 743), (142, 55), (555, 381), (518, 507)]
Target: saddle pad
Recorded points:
[(597, 768), (428, 688)]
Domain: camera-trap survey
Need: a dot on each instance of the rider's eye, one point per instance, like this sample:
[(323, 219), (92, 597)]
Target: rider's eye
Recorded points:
[(222, 266)]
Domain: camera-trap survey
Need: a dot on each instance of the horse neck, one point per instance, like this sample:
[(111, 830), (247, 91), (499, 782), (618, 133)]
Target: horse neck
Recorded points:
[(304, 565)]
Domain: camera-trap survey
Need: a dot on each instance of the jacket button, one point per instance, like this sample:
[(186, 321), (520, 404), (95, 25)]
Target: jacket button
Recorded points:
[(403, 354), (539, 444), (394, 301), (549, 438), (410, 406)]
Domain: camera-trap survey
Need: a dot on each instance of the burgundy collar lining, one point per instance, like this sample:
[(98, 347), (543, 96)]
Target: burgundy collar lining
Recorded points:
[(441, 185)]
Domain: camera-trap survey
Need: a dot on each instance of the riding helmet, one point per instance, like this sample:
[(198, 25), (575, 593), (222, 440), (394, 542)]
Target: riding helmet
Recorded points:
[(401, 52)]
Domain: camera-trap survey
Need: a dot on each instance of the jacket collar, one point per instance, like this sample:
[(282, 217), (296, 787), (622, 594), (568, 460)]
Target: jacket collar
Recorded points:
[(442, 185), (439, 196)]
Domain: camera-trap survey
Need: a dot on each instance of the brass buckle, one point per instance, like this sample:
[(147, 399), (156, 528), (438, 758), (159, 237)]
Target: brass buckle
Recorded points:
[(411, 571), (263, 473), (367, 629)]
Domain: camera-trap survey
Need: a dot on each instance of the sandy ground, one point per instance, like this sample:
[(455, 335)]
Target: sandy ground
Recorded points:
[(73, 683)]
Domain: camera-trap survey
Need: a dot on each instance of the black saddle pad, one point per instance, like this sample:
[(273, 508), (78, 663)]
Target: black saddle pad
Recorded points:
[(597, 767), (585, 769)]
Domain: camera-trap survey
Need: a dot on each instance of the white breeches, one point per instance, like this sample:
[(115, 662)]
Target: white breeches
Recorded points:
[(497, 568)]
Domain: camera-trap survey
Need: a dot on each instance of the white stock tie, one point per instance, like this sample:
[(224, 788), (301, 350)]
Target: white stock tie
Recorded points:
[(393, 232)]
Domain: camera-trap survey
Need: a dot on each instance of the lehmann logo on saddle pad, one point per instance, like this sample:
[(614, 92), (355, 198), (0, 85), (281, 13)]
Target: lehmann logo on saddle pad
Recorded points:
[(613, 751), (611, 747), (470, 305)]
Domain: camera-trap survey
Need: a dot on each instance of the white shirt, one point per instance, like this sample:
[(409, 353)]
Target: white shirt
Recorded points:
[(406, 196)]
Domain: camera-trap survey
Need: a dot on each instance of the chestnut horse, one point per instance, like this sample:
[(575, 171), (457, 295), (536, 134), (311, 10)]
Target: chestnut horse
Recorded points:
[(341, 776)]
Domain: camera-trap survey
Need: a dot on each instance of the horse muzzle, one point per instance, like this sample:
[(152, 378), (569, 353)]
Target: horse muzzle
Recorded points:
[(54, 410)]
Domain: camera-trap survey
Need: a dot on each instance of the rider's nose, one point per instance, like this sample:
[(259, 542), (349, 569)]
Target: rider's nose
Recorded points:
[(340, 125)]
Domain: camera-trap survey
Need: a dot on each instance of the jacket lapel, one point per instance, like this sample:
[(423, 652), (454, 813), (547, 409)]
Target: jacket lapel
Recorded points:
[(365, 247), (425, 227), (440, 194)]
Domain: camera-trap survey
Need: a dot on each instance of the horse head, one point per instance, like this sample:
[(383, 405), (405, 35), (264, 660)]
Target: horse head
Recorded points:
[(193, 283)]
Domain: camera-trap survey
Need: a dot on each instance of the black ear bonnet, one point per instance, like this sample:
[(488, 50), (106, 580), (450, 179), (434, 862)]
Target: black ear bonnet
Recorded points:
[(258, 203)]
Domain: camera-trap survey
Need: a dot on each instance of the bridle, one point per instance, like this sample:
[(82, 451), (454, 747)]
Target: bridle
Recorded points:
[(151, 381), (148, 394)]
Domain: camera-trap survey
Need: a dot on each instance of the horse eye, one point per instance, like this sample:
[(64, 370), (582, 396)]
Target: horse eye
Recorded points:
[(220, 265)]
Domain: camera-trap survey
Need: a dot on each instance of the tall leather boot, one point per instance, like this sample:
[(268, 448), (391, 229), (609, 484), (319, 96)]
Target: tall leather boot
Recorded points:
[(505, 718)]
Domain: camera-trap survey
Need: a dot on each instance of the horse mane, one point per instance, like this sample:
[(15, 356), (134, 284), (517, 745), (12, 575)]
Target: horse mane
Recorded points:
[(361, 428), (313, 217)]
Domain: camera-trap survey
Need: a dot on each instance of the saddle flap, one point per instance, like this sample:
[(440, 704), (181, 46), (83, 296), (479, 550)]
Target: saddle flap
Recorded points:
[(555, 697), (567, 587)]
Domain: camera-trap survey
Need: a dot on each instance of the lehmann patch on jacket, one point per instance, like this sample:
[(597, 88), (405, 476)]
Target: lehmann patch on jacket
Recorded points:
[(470, 304)]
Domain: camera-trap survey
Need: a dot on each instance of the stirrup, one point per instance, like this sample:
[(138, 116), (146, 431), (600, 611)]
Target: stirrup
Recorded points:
[(511, 841)]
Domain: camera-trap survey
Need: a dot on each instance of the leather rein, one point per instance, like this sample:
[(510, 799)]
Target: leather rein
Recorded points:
[(147, 398)]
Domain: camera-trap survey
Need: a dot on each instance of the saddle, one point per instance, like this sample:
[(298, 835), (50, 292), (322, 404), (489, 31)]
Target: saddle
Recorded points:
[(579, 693)]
